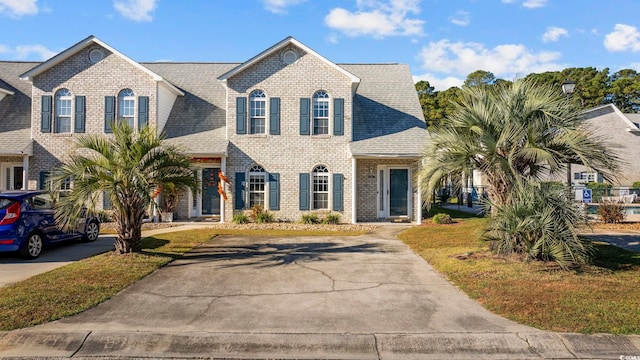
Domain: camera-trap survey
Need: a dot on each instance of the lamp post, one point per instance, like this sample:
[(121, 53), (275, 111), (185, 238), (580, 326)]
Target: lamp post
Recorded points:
[(567, 88)]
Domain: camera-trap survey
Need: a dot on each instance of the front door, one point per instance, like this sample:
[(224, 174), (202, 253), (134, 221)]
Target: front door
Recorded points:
[(394, 189), (12, 177), (210, 195)]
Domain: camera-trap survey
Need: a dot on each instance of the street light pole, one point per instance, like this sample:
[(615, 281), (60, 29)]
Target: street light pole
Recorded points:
[(567, 88)]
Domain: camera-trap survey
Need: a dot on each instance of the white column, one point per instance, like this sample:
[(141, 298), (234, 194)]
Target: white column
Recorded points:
[(419, 206), (25, 172), (223, 168), (354, 189)]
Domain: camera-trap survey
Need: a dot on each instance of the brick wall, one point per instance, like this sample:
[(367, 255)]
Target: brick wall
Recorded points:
[(290, 153), (83, 78)]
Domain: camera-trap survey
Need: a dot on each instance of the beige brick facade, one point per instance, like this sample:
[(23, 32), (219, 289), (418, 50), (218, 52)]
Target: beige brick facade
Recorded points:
[(82, 78)]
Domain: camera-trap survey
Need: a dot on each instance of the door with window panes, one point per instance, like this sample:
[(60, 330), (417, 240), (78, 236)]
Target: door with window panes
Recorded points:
[(13, 177)]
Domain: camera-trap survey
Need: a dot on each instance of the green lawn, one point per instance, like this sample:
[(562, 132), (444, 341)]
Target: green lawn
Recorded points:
[(84, 284), (600, 298)]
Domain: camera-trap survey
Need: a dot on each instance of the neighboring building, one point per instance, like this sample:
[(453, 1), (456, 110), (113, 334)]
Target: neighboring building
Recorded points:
[(291, 130), (622, 133)]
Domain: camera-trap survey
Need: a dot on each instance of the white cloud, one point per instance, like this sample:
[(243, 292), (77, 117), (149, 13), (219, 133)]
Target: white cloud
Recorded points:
[(623, 38), (280, 6), (461, 18), (554, 33), (136, 10), (17, 8), (439, 84), (459, 59), (377, 18), (27, 52), (532, 4)]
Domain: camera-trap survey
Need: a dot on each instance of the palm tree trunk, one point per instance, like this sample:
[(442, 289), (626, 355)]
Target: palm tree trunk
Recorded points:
[(129, 228)]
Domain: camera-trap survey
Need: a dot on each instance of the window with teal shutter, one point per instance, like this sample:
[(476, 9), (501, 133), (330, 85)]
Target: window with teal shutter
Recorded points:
[(241, 115), (143, 112), (109, 113), (303, 193), (305, 116), (239, 191), (45, 114), (338, 116), (274, 116), (274, 191), (338, 192), (79, 121)]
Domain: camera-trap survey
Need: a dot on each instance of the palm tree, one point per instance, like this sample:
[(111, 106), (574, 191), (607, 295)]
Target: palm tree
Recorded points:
[(513, 132), (129, 169)]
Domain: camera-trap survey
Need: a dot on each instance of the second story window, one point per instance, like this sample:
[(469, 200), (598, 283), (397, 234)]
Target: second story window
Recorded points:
[(126, 107), (320, 113), (257, 112), (63, 111)]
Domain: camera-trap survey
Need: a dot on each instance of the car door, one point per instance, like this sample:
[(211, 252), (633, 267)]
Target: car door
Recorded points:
[(40, 212)]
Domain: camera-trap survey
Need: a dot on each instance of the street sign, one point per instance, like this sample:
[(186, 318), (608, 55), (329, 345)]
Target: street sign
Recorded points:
[(586, 195)]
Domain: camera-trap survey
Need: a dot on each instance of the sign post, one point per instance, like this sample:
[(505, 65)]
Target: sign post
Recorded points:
[(586, 195)]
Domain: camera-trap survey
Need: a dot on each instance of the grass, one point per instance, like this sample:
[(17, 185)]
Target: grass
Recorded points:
[(84, 284), (600, 298)]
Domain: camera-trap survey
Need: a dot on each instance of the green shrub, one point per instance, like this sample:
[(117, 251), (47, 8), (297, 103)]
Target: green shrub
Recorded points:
[(442, 219), (540, 223), (310, 218), (240, 218), (256, 210), (598, 186), (264, 217), (636, 185), (610, 212), (332, 218)]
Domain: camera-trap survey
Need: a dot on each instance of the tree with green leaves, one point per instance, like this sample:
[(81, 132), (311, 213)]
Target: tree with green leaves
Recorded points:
[(517, 134), (480, 77), (130, 169)]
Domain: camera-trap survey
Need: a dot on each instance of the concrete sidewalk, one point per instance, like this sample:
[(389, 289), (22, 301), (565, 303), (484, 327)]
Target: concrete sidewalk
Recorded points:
[(365, 297)]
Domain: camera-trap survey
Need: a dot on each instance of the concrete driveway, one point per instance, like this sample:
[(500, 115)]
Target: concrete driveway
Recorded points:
[(365, 297), (13, 268)]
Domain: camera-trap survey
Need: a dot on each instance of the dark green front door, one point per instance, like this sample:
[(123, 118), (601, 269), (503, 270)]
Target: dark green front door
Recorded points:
[(210, 196), (398, 192)]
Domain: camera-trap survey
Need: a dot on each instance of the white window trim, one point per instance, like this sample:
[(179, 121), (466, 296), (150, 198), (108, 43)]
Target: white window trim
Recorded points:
[(57, 116), (263, 99), (329, 191), (121, 99), (313, 117), (265, 191)]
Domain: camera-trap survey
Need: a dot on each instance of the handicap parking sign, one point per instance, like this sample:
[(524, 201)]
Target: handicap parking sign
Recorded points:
[(586, 195)]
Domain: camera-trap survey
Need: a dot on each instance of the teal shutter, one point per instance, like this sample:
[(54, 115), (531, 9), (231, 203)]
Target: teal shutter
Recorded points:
[(43, 180), (274, 116), (45, 114), (304, 191), (239, 193), (338, 116), (241, 115), (143, 112), (274, 191), (109, 113), (79, 123), (305, 116), (338, 192), (106, 200)]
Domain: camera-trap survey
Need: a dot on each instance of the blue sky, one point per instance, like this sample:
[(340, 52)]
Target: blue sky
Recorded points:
[(441, 40)]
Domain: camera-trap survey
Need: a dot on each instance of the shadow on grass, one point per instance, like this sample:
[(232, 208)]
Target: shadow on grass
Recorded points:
[(614, 258), (153, 243), (453, 213)]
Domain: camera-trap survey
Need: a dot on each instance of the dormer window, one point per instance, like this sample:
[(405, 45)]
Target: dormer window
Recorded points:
[(63, 111), (321, 113), (257, 112), (126, 107)]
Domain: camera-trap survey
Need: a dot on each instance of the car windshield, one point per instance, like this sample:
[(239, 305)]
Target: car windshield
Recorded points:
[(4, 203)]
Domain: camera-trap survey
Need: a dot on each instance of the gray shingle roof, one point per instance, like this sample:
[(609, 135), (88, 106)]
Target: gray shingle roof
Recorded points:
[(198, 119), (388, 119), (15, 110)]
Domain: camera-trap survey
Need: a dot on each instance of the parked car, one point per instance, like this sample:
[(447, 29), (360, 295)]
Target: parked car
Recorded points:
[(27, 224)]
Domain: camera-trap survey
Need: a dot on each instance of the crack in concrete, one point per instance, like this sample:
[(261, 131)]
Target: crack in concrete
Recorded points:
[(529, 346), (333, 281)]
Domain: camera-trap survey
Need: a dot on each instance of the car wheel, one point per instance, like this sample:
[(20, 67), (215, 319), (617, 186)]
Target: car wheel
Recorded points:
[(91, 231), (33, 247)]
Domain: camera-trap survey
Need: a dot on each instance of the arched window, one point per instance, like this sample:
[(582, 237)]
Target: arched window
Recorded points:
[(63, 111), (257, 177), (320, 187), (127, 107), (320, 113), (257, 112)]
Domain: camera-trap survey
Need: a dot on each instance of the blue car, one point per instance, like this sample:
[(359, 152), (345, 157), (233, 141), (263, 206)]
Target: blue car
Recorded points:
[(27, 224)]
